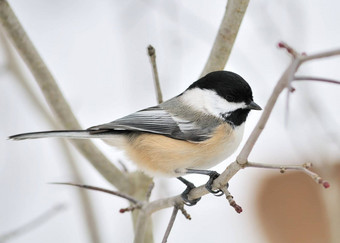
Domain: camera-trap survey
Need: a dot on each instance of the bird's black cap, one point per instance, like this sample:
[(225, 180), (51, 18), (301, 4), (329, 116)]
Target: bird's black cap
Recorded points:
[(228, 85)]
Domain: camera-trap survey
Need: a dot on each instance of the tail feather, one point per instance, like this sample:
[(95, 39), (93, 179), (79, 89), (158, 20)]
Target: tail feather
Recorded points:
[(74, 134)]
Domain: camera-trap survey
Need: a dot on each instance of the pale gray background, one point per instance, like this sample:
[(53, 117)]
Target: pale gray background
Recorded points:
[(97, 52)]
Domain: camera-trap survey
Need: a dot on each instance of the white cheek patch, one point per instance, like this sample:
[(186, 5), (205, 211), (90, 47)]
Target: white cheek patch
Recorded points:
[(209, 102)]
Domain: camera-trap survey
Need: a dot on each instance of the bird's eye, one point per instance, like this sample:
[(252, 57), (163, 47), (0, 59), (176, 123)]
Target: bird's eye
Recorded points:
[(230, 98)]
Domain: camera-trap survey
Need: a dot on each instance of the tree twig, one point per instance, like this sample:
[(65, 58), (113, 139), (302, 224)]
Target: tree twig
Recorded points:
[(32, 224), (118, 194), (310, 78), (226, 36), (171, 223), (320, 55), (184, 212), (54, 96), (130, 208), (152, 55), (283, 168), (231, 200), (148, 193)]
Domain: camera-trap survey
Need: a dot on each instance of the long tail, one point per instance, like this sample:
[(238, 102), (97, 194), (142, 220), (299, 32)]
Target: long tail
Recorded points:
[(75, 134)]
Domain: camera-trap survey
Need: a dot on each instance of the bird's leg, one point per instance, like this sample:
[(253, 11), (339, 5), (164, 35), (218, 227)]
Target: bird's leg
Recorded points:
[(212, 176), (186, 192)]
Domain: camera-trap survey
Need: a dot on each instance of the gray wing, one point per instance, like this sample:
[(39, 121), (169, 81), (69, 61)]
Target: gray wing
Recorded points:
[(159, 121)]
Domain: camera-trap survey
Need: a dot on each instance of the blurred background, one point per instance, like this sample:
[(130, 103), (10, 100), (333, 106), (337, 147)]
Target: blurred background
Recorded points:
[(96, 50)]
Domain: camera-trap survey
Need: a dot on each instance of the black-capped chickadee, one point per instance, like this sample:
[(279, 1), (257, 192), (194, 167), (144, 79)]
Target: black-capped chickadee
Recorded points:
[(186, 134)]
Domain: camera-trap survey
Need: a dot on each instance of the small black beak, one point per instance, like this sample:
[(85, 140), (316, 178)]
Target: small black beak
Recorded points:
[(253, 106)]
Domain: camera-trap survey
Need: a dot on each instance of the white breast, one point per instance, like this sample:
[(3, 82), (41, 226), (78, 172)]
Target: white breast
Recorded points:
[(223, 150)]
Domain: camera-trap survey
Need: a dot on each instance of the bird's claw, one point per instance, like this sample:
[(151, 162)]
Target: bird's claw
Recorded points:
[(213, 175), (185, 194)]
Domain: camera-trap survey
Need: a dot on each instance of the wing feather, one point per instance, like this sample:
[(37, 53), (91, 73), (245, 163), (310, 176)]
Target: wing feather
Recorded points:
[(159, 121)]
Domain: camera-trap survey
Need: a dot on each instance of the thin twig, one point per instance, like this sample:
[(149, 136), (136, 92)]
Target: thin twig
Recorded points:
[(320, 55), (226, 36), (303, 168), (152, 55), (130, 208), (148, 193), (171, 223), (184, 212), (54, 97), (118, 194), (288, 48), (124, 168), (231, 200), (32, 224), (309, 78)]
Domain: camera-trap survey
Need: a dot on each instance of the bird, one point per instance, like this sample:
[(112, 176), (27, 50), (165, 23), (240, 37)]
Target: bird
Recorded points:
[(187, 134)]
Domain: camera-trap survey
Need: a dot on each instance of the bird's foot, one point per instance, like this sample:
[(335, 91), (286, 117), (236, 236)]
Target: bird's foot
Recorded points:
[(212, 176), (186, 192)]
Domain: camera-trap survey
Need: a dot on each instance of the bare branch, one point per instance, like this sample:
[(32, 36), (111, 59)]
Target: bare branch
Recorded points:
[(305, 58), (303, 168), (309, 78), (152, 55), (171, 223), (33, 224), (118, 194), (226, 36), (54, 96)]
